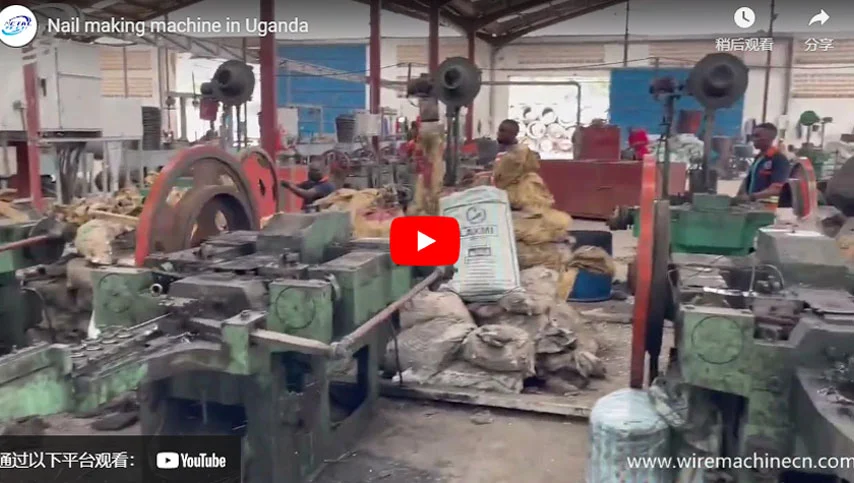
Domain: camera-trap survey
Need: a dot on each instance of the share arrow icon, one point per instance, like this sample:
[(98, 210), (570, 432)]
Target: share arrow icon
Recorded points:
[(821, 17)]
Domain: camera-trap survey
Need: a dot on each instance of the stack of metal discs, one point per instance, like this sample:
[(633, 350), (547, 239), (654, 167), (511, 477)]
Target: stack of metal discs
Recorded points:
[(545, 129)]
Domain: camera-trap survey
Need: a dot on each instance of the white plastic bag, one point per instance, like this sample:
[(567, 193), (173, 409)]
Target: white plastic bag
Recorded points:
[(487, 268)]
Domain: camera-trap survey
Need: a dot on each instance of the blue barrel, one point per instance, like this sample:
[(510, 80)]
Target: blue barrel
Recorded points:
[(591, 287)]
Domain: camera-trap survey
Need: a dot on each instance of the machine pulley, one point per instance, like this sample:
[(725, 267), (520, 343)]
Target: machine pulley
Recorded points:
[(201, 192), (232, 84), (457, 82), (260, 168), (718, 80)]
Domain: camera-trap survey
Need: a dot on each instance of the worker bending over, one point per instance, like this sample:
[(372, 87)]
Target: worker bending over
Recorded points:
[(316, 187), (769, 171)]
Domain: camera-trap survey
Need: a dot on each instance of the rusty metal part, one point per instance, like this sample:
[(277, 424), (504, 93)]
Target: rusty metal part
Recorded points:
[(46, 242), (218, 197), (25, 243), (644, 267), (344, 348), (803, 189), (260, 168)]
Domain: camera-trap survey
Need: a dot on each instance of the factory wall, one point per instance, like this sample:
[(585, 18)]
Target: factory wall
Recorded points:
[(321, 99), (632, 106)]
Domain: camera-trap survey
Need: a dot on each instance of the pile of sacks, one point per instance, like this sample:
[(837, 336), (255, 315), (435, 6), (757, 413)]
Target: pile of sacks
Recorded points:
[(371, 210), (102, 239), (542, 237), (528, 336)]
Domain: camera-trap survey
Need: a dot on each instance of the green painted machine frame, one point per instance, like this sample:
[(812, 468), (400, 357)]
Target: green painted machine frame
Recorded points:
[(791, 408), (712, 225), (297, 358)]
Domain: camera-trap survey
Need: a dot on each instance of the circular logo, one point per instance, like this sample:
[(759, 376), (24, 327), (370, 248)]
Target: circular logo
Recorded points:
[(475, 215), (18, 26)]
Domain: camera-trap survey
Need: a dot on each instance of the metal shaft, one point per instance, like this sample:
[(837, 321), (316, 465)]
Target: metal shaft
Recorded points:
[(26, 242), (344, 347)]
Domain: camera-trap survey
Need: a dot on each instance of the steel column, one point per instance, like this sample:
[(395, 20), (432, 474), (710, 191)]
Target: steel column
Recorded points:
[(470, 108), (33, 126), (374, 65), (268, 58), (433, 36)]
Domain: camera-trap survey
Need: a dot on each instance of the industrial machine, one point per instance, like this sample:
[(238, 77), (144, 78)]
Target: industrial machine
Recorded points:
[(23, 245), (811, 122), (276, 332), (455, 84), (702, 221), (762, 344)]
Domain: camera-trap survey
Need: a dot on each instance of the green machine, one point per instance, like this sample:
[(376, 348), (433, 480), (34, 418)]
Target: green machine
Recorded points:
[(811, 122), (24, 245), (275, 332), (703, 221), (761, 367)]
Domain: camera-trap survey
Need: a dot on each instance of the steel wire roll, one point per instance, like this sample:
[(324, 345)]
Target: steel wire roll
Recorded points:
[(548, 116)]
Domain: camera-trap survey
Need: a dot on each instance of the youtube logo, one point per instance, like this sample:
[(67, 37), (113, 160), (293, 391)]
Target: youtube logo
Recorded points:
[(425, 241)]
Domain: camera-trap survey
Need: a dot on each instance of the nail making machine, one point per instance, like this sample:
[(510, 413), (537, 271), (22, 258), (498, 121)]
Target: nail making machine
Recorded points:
[(272, 333), (763, 353)]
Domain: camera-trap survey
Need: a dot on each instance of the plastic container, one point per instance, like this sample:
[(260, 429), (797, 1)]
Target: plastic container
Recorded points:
[(591, 287), (624, 426)]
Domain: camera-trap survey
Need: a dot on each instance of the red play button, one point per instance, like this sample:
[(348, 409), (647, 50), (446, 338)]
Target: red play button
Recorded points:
[(425, 241)]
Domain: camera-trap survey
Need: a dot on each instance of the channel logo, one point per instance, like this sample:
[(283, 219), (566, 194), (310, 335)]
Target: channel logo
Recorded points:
[(18, 26)]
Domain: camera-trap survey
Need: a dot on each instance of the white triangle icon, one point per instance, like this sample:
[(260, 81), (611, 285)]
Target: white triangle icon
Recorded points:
[(424, 241)]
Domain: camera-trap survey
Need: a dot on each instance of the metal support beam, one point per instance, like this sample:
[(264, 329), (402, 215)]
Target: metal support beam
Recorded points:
[(470, 109), (269, 67), (374, 66), (33, 127), (433, 36)]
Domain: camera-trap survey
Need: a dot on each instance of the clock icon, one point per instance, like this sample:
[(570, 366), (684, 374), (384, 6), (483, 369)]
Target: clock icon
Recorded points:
[(745, 17)]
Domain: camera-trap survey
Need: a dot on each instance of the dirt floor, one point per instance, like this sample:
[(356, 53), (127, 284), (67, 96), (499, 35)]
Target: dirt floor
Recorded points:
[(417, 442)]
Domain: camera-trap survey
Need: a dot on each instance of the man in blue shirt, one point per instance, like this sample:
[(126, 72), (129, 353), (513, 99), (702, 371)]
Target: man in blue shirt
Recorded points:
[(316, 187), (769, 171)]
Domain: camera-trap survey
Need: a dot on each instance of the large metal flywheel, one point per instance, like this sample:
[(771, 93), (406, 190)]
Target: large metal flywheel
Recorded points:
[(260, 169), (653, 293), (200, 193)]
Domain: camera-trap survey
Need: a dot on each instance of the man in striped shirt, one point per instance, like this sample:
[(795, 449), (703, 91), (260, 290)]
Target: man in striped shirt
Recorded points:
[(769, 171)]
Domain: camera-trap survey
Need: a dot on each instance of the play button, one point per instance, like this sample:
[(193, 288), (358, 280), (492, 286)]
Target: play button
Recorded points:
[(424, 241)]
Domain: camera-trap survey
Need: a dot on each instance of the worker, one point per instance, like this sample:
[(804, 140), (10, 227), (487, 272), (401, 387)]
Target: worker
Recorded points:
[(506, 137), (769, 171), (316, 187), (639, 143)]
